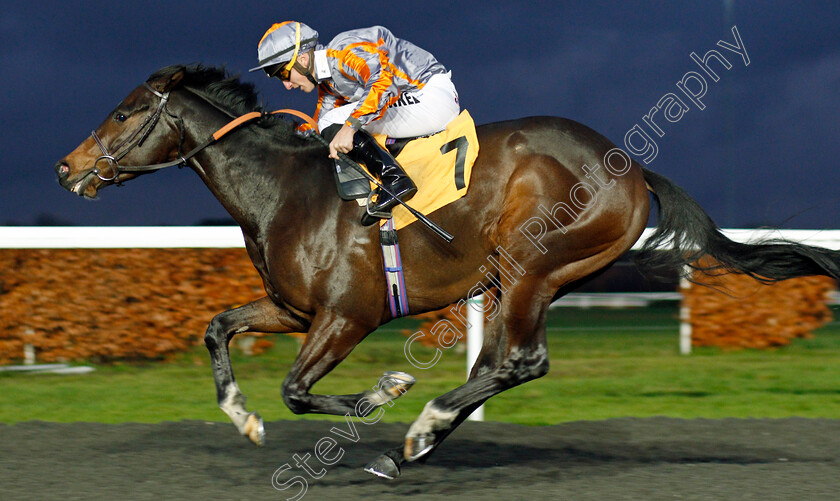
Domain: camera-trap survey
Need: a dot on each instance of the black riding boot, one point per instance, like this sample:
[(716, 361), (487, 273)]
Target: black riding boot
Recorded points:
[(380, 163)]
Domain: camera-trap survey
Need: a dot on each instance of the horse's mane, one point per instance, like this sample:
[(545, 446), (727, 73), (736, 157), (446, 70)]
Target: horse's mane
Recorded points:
[(226, 91)]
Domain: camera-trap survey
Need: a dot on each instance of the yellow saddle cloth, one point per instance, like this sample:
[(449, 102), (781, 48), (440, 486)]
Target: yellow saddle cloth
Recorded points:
[(440, 166)]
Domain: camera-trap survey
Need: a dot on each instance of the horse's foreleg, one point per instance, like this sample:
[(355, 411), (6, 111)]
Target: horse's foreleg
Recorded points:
[(331, 338), (260, 316)]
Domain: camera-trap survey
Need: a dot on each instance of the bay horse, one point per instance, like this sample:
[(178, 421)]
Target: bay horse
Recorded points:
[(551, 197)]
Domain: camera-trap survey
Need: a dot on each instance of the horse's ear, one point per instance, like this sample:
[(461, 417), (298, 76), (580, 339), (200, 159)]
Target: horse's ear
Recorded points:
[(168, 82)]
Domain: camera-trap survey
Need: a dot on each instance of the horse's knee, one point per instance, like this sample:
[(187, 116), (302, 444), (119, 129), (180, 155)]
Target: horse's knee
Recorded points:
[(219, 331), (294, 398), (214, 335)]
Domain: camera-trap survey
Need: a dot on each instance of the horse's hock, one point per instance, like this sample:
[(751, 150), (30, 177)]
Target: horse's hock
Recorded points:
[(736, 311), (73, 304)]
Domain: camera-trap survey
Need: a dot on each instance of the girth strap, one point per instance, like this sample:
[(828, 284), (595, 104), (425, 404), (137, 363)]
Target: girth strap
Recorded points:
[(397, 296)]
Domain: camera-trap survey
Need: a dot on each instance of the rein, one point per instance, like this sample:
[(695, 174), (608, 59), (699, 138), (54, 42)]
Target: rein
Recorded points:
[(152, 120), (310, 127)]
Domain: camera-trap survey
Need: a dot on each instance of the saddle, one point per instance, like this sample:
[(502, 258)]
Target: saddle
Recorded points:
[(440, 165)]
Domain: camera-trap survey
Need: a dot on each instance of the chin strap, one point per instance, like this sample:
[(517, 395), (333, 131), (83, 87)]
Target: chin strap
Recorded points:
[(308, 69)]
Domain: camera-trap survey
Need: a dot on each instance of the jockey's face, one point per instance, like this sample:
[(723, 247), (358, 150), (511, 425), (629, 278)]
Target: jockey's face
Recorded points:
[(297, 80)]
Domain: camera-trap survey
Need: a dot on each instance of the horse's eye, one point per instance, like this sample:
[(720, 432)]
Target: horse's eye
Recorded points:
[(120, 117)]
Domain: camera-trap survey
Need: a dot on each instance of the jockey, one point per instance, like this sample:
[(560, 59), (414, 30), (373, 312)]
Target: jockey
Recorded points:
[(369, 82)]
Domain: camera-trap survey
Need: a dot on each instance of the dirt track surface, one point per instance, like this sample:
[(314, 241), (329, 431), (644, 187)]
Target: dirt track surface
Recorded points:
[(639, 459)]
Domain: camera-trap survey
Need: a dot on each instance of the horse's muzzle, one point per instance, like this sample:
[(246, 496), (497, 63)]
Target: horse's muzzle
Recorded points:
[(62, 170), (77, 186)]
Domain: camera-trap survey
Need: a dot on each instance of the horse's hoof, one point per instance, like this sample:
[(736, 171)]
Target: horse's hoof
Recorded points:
[(384, 467), (254, 429), (419, 446), (390, 387), (397, 383)]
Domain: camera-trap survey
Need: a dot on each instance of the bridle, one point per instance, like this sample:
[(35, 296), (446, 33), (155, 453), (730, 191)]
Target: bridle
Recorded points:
[(137, 138), (309, 129)]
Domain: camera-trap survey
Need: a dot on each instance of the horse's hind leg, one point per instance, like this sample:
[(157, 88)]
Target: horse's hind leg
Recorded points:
[(515, 353), (260, 316), (388, 464)]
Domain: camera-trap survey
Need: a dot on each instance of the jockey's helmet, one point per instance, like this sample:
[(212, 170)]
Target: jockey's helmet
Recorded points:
[(282, 43)]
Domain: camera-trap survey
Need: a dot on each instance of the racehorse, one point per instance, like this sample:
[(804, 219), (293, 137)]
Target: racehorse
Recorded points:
[(552, 199)]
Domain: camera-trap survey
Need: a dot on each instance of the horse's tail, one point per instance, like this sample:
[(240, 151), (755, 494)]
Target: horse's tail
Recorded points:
[(686, 233)]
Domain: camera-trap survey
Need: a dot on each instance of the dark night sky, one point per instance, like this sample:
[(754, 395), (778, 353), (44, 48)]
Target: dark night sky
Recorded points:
[(764, 151)]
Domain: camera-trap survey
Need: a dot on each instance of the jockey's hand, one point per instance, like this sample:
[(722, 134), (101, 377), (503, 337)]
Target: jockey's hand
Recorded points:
[(342, 142)]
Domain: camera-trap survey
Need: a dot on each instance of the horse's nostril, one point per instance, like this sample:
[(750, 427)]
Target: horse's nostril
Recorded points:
[(63, 169)]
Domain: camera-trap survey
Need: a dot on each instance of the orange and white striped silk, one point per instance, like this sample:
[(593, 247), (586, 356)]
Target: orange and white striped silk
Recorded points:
[(372, 68)]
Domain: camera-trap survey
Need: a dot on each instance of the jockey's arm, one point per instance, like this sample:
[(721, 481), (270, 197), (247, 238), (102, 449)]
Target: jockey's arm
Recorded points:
[(378, 94), (326, 102), (342, 142)]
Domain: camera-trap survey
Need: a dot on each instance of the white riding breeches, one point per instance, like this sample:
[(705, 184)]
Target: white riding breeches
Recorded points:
[(419, 113)]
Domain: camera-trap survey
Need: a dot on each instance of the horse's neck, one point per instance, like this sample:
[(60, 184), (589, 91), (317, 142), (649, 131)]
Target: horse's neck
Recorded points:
[(258, 181)]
